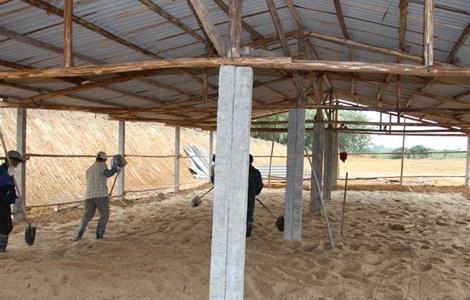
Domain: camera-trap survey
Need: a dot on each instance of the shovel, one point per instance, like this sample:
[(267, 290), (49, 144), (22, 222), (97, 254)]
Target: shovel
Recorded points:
[(198, 199), (30, 230), (279, 220)]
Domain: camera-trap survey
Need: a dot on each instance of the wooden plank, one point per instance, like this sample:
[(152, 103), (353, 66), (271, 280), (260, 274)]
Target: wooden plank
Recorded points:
[(235, 30), (428, 52), (208, 26), (163, 13), (280, 63), (68, 38)]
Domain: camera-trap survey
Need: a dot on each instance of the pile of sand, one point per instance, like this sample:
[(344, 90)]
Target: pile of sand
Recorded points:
[(161, 250)]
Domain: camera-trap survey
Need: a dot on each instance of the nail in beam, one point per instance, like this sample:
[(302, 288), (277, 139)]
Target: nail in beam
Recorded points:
[(318, 147), (177, 159), (295, 173), (122, 150), (21, 126), (231, 183)]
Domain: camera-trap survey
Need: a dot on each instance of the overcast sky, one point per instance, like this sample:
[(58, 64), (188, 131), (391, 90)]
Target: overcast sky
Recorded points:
[(438, 143)]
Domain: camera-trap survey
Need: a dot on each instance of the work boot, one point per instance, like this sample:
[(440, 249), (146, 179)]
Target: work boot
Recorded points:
[(79, 236), (249, 229), (3, 242), (99, 235)]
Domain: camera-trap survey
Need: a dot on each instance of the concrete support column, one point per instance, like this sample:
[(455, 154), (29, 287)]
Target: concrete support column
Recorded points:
[(21, 126), (334, 160), (318, 147), (295, 174), (467, 169), (122, 150), (230, 193), (211, 152), (329, 164), (177, 160)]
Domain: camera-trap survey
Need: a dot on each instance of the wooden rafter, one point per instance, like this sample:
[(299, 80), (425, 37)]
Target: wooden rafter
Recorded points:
[(209, 28), (428, 52), (163, 13), (461, 40), (99, 30)]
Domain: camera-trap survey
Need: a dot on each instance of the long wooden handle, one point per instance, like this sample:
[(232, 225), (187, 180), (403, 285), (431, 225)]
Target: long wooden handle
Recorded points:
[(18, 193)]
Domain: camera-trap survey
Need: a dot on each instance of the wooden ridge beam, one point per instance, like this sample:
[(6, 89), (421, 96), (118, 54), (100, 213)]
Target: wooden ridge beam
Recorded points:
[(209, 28)]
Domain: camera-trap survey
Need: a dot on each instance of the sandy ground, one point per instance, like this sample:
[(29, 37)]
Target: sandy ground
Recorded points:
[(158, 249)]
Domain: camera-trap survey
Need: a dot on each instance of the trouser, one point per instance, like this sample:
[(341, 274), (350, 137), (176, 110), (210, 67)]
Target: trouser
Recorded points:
[(5, 224), (251, 209), (102, 204)]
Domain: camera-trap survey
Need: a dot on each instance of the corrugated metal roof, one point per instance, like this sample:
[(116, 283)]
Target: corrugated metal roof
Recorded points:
[(373, 22)]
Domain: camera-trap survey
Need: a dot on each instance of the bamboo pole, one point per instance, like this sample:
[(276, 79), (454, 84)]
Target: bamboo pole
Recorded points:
[(344, 203), (402, 155)]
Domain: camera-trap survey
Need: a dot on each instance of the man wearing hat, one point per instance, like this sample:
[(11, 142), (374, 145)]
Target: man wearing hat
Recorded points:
[(7, 195), (97, 195)]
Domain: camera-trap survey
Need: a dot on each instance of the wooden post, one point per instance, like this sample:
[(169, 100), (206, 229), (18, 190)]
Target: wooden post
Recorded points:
[(21, 131), (294, 174), (428, 32), (68, 28), (230, 193), (211, 152), (467, 169), (177, 160), (318, 147), (271, 157), (122, 151), (235, 28), (328, 163), (402, 155)]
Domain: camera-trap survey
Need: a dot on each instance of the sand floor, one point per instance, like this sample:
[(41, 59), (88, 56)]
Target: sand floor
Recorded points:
[(161, 250)]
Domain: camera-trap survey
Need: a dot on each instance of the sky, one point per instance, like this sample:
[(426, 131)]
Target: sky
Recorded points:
[(437, 143)]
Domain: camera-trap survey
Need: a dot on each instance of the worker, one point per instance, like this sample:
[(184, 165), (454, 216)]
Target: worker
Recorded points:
[(212, 169), (97, 194), (255, 185), (7, 195)]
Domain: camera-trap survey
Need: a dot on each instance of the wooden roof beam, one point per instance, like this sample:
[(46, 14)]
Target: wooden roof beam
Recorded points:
[(460, 42), (280, 63), (68, 38), (209, 28), (403, 23), (428, 37), (235, 29)]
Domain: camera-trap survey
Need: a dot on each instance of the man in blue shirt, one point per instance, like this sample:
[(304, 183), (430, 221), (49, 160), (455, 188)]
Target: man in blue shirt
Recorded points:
[(7, 196)]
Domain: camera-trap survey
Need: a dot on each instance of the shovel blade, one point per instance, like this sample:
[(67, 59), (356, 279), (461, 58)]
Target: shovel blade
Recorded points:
[(30, 235), (196, 201)]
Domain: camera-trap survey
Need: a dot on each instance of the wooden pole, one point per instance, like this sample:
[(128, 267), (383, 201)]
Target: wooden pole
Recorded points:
[(467, 169), (122, 151), (344, 203), (271, 158), (177, 159), (211, 152), (402, 155), (235, 28), (428, 32), (68, 38), (21, 134)]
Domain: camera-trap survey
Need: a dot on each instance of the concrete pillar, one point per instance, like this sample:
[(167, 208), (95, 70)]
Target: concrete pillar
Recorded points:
[(334, 160), (295, 174), (21, 126), (121, 187), (177, 160), (211, 152), (230, 193), (318, 147), (467, 169), (328, 164)]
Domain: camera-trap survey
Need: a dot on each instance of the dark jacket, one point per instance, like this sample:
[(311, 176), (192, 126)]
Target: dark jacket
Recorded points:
[(255, 182), (7, 186)]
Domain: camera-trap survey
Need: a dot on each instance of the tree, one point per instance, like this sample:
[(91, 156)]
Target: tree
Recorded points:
[(419, 151)]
